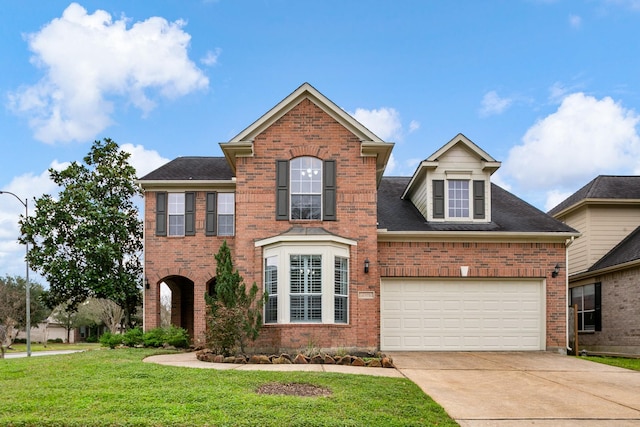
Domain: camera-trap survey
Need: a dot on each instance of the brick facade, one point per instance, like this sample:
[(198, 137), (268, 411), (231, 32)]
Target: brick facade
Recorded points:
[(485, 260), (188, 266), (620, 314)]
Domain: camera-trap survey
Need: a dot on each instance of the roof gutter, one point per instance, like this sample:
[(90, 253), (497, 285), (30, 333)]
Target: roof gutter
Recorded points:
[(473, 236), (185, 183)]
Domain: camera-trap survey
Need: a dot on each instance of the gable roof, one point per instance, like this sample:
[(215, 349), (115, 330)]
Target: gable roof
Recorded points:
[(431, 162), (191, 169), (510, 214), (628, 250), (241, 145), (603, 188)]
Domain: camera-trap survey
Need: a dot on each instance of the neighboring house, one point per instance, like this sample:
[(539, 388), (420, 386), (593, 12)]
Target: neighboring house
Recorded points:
[(441, 260), (604, 263), (50, 329)]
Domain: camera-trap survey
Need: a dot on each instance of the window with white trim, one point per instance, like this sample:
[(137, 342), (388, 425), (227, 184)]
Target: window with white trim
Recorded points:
[(226, 214), (306, 188), (175, 207), (271, 289), (458, 198), (306, 283)]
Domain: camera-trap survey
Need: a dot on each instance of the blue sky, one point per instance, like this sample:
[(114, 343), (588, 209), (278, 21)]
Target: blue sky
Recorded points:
[(549, 88)]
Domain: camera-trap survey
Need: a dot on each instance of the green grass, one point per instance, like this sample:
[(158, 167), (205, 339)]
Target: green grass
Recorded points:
[(620, 362), (21, 348), (115, 388)]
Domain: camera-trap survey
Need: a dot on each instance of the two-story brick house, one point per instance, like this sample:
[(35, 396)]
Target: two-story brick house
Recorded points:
[(441, 260)]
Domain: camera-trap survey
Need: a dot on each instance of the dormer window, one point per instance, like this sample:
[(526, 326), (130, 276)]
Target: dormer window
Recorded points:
[(458, 198), (464, 199)]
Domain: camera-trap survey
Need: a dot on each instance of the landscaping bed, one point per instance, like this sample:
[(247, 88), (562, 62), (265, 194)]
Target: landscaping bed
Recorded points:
[(377, 361)]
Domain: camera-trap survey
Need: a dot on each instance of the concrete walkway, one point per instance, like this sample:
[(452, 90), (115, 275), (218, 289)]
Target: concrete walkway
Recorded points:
[(39, 353), (524, 389)]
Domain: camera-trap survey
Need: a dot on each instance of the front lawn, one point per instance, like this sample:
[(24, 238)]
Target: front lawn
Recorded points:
[(114, 387), (21, 348), (620, 362)]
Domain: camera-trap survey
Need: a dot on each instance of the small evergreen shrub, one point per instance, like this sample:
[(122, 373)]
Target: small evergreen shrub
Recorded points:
[(110, 340), (92, 339), (56, 340), (158, 337), (133, 337)]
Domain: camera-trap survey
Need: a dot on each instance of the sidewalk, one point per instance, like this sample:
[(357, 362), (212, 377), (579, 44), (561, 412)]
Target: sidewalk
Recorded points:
[(39, 353)]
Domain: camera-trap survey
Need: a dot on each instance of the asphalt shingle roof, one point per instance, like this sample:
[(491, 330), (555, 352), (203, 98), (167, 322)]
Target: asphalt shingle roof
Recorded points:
[(509, 213), (614, 187), (625, 251), (192, 168)]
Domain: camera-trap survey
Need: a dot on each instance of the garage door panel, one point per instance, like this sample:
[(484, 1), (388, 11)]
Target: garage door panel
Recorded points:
[(470, 315)]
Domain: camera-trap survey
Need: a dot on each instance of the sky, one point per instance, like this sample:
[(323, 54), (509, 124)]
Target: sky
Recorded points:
[(550, 88)]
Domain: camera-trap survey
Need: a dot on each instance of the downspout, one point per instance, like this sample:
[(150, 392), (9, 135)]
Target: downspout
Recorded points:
[(144, 263), (567, 243)]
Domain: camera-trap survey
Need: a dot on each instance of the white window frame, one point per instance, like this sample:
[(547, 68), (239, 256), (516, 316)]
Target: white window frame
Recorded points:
[(281, 254), (225, 209), (456, 203), (305, 180), (176, 209)]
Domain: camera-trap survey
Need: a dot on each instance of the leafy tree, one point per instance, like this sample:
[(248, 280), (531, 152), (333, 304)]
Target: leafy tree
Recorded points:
[(13, 308), (87, 242), (235, 314)]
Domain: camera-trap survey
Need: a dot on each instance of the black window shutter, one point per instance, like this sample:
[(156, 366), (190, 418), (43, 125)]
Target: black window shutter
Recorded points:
[(189, 214), (161, 214), (210, 219), (329, 196), (438, 198), (598, 307), (478, 199), (282, 190)]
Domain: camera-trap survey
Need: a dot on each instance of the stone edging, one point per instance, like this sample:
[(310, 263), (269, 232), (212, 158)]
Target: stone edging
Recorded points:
[(383, 361)]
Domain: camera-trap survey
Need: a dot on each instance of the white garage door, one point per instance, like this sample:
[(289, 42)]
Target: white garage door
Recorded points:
[(461, 315)]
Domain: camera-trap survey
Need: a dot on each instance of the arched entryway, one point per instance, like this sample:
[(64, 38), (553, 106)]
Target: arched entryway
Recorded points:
[(182, 301)]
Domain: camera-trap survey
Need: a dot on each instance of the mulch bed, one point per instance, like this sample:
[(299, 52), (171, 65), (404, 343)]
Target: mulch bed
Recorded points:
[(294, 389)]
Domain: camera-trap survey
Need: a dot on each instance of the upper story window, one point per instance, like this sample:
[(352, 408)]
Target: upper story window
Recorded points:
[(464, 199), (176, 214), (306, 189), (175, 207), (226, 214)]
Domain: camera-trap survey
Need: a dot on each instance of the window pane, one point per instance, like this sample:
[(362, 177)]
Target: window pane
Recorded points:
[(306, 188), (225, 225), (226, 203), (305, 288), (589, 297), (176, 203), (341, 285), (576, 297), (271, 288), (458, 198), (176, 225)]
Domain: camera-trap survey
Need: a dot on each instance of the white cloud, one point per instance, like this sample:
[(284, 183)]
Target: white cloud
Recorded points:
[(583, 138), (90, 60), (493, 104), (575, 21), (143, 160), (391, 166), (26, 186), (555, 197), (211, 57), (384, 122), (414, 125)]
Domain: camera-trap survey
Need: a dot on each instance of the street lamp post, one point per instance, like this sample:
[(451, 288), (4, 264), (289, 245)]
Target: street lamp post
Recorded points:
[(28, 286)]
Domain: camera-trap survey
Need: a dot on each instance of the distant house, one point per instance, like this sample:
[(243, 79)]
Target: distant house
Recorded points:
[(50, 329), (440, 260), (604, 263)]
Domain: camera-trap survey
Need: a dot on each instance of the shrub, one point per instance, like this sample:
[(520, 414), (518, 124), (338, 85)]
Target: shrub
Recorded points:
[(172, 335), (56, 340), (92, 339), (133, 337), (110, 340)]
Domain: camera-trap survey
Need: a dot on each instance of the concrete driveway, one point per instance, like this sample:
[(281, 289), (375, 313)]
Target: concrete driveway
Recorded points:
[(481, 389)]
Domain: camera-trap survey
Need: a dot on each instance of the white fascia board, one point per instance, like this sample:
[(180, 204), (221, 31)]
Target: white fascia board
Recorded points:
[(472, 236), (186, 184)]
